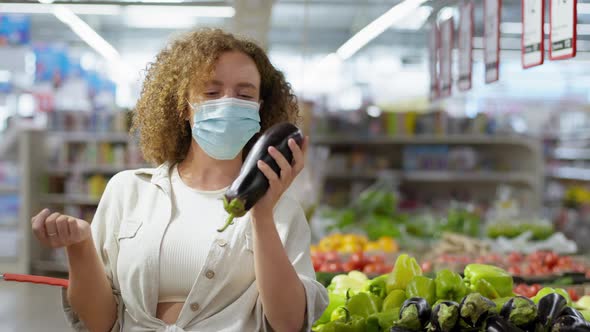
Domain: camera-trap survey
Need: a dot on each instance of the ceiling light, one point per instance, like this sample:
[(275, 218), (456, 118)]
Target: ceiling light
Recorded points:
[(583, 8), (415, 21), (181, 11), (45, 8), (113, 10), (86, 33), (377, 27)]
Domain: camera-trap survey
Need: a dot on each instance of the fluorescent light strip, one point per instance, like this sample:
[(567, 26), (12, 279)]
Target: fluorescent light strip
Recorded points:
[(86, 33), (377, 27), (80, 9), (184, 11), (583, 8), (113, 10), (515, 28)]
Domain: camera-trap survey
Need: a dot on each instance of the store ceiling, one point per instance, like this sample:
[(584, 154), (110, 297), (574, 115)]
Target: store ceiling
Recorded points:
[(316, 26)]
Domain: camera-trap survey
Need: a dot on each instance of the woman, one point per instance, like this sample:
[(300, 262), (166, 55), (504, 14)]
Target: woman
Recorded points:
[(152, 259)]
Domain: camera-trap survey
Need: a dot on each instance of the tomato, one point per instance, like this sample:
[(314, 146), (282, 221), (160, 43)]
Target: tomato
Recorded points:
[(386, 269), (528, 270), (334, 267), (358, 258), (372, 268), (515, 257), (426, 266), (374, 259), (535, 288), (316, 264), (514, 270), (332, 256), (349, 266), (551, 260), (573, 294)]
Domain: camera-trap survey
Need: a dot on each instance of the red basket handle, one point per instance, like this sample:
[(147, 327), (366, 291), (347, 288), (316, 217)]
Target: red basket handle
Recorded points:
[(35, 279)]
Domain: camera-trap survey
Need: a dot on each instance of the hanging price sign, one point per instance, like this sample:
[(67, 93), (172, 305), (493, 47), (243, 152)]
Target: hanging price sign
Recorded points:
[(446, 57), (492, 10), (465, 45), (532, 33), (433, 46), (562, 30)]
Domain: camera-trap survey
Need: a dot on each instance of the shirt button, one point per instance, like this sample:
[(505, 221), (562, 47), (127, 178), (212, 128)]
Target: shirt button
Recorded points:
[(221, 242), (195, 306), (210, 274)]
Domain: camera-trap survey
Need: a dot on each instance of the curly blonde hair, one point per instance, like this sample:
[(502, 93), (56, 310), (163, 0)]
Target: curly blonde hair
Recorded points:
[(181, 70)]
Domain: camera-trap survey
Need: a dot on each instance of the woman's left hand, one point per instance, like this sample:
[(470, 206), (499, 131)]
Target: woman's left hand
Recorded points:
[(278, 183)]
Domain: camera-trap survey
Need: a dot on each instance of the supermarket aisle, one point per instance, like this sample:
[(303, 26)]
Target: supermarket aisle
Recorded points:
[(30, 308)]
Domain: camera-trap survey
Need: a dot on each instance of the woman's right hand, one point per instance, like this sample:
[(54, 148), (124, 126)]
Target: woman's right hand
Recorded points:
[(57, 230)]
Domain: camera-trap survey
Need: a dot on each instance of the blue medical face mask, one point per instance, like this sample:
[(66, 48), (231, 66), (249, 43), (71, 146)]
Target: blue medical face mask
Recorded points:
[(222, 127)]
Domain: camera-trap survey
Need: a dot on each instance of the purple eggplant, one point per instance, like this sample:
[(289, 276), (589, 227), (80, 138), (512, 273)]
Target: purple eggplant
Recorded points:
[(474, 310), (414, 314), (251, 184), (498, 324), (568, 323), (520, 311), (550, 308), (445, 316), (569, 311)]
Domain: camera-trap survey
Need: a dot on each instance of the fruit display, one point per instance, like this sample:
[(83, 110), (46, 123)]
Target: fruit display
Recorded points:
[(531, 291), (405, 300), (511, 229), (352, 243), (539, 264), (333, 262)]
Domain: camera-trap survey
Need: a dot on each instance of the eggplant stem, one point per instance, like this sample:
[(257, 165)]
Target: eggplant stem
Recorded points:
[(228, 222)]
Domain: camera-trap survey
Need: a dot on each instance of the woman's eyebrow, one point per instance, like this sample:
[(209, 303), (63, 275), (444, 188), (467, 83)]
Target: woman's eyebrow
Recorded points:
[(247, 85)]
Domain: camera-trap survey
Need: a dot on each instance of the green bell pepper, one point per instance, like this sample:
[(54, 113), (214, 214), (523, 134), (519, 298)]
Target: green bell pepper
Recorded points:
[(404, 270), (377, 286), (450, 286), (586, 314), (395, 299), (338, 314), (488, 280), (348, 323), (336, 300), (343, 282), (549, 290), (383, 321), (364, 305), (424, 287)]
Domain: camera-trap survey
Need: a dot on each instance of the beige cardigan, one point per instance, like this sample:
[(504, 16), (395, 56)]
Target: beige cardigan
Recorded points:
[(128, 228)]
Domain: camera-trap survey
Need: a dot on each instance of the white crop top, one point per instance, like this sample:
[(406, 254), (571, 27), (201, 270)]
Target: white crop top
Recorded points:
[(196, 215)]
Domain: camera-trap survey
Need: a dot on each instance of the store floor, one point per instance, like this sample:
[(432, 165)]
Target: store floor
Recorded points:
[(30, 308)]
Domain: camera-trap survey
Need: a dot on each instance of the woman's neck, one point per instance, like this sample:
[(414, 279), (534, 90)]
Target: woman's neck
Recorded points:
[(199, 171)]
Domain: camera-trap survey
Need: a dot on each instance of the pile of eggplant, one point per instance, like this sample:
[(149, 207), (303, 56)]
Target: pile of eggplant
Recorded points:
[(477, 313)]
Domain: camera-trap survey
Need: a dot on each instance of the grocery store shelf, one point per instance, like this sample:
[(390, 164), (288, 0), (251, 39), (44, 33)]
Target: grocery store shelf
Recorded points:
[(49, 266), (91, 137), (89, 169), (441, 176), (571, 154), (425, 139), (456, 176), (4, 189), (570, 173), (69, 199)]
